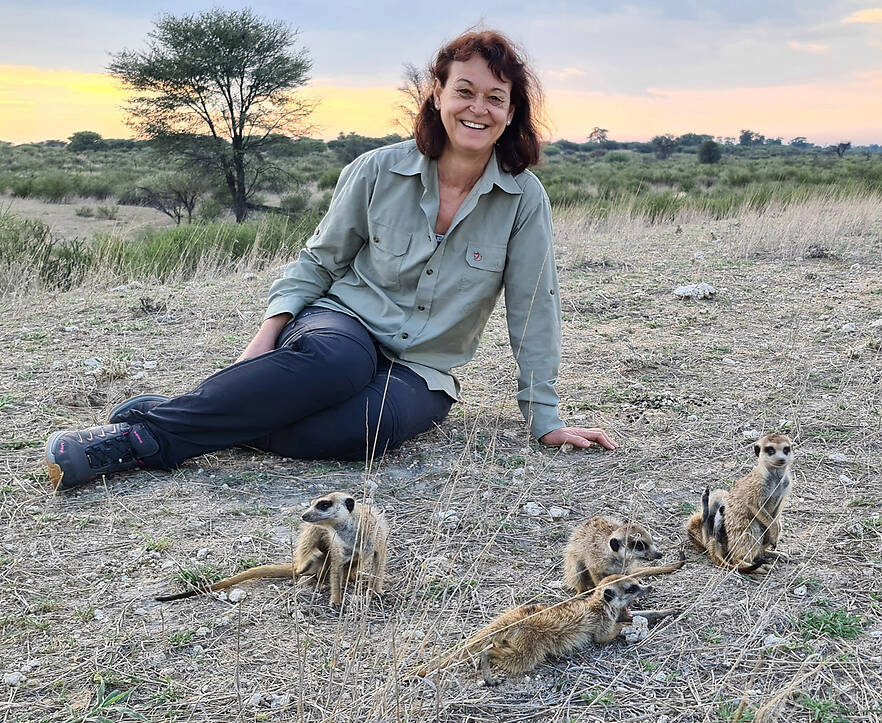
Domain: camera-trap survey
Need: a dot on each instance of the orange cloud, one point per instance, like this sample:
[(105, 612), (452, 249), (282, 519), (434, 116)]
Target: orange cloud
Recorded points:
[(811, 48), (870, 15)]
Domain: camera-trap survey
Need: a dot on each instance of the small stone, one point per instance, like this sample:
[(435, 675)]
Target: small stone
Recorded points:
[(138, 376), (875, 324), (800, 591), (70, 328), (847, 328), (92, 363), (532, 509), (202, 632), (646, 486), (845, 479), (449, 518), (771, 640), (150, 364), (202, 552), (728, 361), (14, 679), (57, 364), (660, 677), (237, 595), (279, 701), (98, 614), (140, 611), (855, 530), (876, 634), (751, 434), (691, 418), (695, 291), (558, 513), (249, 276), (838, 457), (637, 631), (255, 700)]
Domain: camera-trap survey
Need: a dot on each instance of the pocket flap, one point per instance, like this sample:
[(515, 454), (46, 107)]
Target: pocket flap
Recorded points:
[(391, 240), (487, 258)]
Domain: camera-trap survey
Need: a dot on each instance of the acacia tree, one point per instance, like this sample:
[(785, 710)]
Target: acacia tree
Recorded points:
[(217, 86), (414, 89)]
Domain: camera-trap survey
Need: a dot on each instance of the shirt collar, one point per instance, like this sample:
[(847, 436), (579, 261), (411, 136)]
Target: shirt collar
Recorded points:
[(416, 164)]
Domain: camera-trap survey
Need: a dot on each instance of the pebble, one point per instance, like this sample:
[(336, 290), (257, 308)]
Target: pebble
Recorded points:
[(558, 513), (728, 361), (70, 328), (800, 591), (250, 275), (637, 630), (695, 291), (848, 328), (279, 701), (875, 324), (771, 640), (14, 679), (237, 595), (150, 364), (449, 518), (202, 553), (876, 634), (92, 363), (255, 700), (203, 631), (837, 457), (691, 418), (140, 611), (532, 509), (751, 434), (138, 376), (845, 479), (646, 486)]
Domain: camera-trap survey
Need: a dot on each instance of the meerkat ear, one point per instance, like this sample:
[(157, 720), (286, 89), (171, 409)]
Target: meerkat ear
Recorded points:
[(609, 595), (614, 544), (756, 450), (350, 504)]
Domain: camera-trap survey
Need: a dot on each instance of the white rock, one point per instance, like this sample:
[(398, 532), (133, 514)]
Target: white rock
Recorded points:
[(140, 611), (98, 614), (14, 679), (691, 418), (279, 701), (728, 361), (70, 328), (202, 553), (558, 513), (876, 634), (138, 376), (646, 486), (875, 324), (848, 328), (255, 700), (845, 479), (695, 291), (800, 591), (876, 659), (837, 457), (771, 640), (449, 518), (660, 677), (92, 363), (637, 630), (532, 509), (237, 595), (203, 631), (150, 364), (751, 434), (57, 364)]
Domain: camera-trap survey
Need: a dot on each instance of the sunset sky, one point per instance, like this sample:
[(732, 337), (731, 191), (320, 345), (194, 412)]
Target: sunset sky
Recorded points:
[(779, 67)]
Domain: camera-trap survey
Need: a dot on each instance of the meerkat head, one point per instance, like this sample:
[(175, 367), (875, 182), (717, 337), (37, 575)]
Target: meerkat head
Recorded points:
[(619, 592), (774, 450), (330, 510), (633, 541)]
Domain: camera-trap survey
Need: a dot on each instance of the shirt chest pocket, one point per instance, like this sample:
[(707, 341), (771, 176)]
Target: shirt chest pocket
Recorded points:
[(381, 257), (482, 272)]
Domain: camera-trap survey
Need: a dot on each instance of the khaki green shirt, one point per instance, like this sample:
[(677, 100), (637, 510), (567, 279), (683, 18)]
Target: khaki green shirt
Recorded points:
[(375, 256)]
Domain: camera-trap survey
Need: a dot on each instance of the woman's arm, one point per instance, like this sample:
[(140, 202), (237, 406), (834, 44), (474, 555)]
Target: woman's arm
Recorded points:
[(265, 339)]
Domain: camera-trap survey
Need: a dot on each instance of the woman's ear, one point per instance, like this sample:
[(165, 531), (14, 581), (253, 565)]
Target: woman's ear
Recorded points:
[(436, 95)]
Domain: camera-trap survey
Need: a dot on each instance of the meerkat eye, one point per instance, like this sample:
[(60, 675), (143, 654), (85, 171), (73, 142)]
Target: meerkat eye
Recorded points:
[(640, 546), (770, 451), (324, 505), (631, 589), (786, 450)]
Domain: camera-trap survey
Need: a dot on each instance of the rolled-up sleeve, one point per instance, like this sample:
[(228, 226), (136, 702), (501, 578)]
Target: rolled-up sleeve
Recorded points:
[(532, 306), (329, 252)]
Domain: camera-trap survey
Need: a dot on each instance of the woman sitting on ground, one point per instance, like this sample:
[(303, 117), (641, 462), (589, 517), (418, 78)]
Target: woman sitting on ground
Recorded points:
[(391, 292)]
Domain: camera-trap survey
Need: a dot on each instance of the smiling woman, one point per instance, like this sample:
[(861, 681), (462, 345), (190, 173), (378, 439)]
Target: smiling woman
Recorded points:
[(391, 293)]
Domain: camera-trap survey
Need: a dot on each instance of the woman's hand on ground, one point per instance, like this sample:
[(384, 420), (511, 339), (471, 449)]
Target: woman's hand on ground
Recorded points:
[(578, 437)]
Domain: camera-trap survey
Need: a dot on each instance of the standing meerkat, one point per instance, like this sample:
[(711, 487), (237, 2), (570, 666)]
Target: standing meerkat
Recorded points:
[(740, 528), (341, 538), (602, 546), (522, 638)]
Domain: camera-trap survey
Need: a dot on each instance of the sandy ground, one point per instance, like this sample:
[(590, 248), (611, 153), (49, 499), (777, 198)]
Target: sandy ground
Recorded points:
[(676, 382), (63, 220)]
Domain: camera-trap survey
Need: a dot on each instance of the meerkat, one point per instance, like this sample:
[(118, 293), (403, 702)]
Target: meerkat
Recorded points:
[(522, 638), (740, 528), (602, 546), (341, 538)]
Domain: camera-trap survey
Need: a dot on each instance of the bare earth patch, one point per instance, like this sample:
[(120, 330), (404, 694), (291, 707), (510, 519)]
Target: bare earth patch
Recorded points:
[(63, 220), (676, 382)]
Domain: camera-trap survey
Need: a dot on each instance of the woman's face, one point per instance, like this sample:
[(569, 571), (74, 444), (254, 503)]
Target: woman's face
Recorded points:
[(475, 106)]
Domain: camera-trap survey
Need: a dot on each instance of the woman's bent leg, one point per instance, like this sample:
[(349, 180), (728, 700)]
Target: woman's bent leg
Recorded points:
[(394, 407), (326, 358)]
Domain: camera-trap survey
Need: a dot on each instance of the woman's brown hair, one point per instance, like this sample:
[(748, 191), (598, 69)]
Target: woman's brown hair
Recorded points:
[(519, 145)]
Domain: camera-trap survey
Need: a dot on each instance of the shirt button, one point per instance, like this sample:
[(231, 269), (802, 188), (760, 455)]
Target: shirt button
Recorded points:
[(376, 240), (429, 272), (421, 308), (405, 335), (551, 292)]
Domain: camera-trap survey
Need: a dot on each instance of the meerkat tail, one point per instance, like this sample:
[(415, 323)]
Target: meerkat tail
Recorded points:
[(472, 647), (250, 574), (658, 569)]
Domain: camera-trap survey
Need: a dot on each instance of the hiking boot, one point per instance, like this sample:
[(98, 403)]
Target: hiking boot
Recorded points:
[(141, 403), (74, 458)]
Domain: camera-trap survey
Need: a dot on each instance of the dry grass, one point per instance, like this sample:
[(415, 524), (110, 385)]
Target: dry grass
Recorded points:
[(674, 381)]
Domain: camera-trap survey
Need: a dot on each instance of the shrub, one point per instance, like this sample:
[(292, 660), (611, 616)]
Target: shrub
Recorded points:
[(295, 202), (329, 178), (85, 211), (617, 157), (709, 152)]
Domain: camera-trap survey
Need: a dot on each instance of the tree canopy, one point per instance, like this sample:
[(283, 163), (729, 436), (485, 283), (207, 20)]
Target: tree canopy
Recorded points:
[(218, 86)]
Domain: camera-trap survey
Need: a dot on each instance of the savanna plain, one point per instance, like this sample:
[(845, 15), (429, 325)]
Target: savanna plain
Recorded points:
[(791, 342)]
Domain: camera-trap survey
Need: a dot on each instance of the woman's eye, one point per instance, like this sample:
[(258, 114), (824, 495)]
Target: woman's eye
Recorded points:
[(464, 92), (496, 100)]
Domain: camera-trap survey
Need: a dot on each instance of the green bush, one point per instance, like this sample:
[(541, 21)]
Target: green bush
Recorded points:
[(329, 178)]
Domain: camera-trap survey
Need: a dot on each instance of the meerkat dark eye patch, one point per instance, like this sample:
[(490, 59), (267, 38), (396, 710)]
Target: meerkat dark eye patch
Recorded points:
[(770, 451), (324, 505), (786, 450), (640, 546), (609, 595), (614, 544), (350, 504), (632, 589), (756, 450)]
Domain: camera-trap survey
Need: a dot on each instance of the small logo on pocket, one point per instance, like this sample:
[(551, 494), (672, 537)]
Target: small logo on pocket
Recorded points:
[(477, 255)]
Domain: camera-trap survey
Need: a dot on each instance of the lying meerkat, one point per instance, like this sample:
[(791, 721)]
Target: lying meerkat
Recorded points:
[(341, 538), (740, 528), (520, 639), (602, 546)]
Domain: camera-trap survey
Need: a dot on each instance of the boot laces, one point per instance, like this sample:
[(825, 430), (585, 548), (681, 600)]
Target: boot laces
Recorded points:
[(113, 449)]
